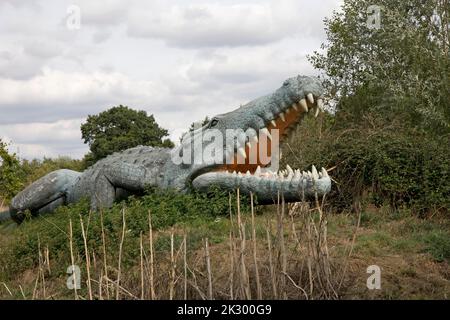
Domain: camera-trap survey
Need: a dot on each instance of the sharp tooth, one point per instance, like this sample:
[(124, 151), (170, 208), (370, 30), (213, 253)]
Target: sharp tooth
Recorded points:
[(314, 173), (310, 97), (324, 172), (320, 175), (309, 174), (288, 110), (303, 105), (273, 123), (258, 171), (320, 104), (255, 138), (241, 151), (282, 117), (266, 132), (249, 145), (289, 169), (297, 175), (317, 112), (295, 106), (248, 173)]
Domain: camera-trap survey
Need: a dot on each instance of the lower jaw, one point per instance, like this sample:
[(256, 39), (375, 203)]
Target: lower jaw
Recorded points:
[(267, 188)]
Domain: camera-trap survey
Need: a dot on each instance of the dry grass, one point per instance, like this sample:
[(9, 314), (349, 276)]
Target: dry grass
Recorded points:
[(290, 254)]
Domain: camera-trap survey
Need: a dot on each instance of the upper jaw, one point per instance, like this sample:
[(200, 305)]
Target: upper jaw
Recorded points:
[(282, 110)]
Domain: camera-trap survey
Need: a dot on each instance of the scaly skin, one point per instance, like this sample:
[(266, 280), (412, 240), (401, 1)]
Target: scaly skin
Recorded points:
[(132, 170)]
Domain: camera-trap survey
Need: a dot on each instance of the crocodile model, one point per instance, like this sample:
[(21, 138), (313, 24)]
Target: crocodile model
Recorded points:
[(132, 170)]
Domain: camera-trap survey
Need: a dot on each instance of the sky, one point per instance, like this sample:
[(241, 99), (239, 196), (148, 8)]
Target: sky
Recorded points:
[(62, 60)]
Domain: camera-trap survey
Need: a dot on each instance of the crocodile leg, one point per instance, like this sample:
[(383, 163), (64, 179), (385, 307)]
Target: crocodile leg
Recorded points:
[(43, 195), (118, 179)]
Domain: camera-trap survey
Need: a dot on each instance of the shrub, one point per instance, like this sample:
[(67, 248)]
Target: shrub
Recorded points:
[(386, 164), (167, 208)]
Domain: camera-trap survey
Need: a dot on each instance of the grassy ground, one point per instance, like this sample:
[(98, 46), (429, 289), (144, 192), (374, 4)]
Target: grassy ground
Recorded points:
[(319, 255)]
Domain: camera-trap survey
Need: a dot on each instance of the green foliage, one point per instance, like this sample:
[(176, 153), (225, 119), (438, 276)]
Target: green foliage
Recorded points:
[(167, 208), (388, 136), (401, 70), (120, 128), (10, 182), (385, 165)]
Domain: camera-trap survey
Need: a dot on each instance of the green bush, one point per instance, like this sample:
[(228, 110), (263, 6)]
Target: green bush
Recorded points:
[(167, 208), (384, 165)]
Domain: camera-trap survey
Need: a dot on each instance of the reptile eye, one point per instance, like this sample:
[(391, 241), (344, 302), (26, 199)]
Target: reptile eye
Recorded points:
[(213, 123)]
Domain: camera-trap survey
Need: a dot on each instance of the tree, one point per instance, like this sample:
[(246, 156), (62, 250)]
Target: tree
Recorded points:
[(120, 128), (10, 174), (400, 70)]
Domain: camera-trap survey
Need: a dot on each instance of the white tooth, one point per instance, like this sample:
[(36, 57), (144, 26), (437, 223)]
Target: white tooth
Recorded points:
[(258, 171), (324, 172), (288, 110), (310, 97), (297, 175), (282, 117), (249, 145), (317, 112), (289, 169), (234, 173), (314, 173), (320, 104), (255, 138), (242, 153), (248, 173), (266, 132), (320, 175), (309, 174), (303, 105), (273, 123), (295, 106)]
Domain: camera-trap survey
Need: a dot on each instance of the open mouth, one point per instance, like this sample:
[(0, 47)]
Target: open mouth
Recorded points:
[(285, 122)]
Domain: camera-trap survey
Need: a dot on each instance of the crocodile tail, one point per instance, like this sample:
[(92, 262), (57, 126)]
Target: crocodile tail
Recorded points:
[(5, 216)]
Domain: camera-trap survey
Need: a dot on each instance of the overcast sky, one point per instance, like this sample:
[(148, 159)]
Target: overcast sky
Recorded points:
[(179, 60)]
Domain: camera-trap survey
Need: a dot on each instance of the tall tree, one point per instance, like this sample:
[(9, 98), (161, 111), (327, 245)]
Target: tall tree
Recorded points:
[(120, 128), (395, 64)]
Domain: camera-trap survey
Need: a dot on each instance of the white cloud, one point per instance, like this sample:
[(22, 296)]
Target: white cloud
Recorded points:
[(55, 94), (213, 24), (175, 60), (45, 139)]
